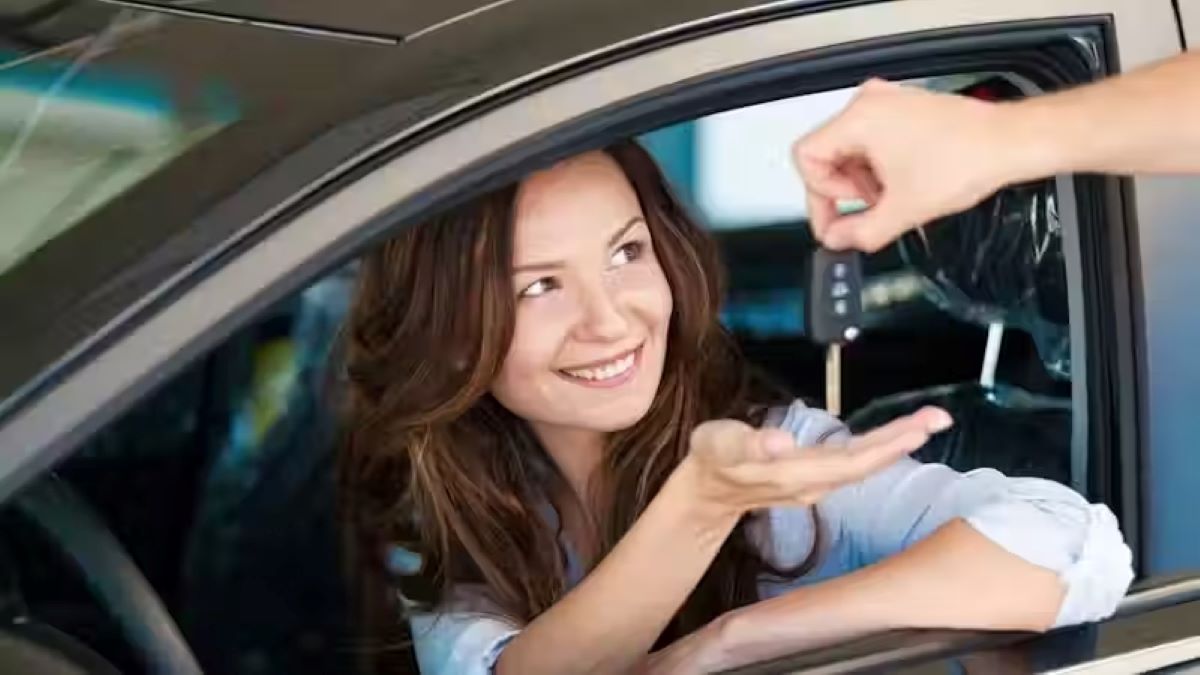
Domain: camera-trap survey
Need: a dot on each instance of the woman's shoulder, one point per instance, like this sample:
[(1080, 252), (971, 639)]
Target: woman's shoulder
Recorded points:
[(785, 535), (809, 425)]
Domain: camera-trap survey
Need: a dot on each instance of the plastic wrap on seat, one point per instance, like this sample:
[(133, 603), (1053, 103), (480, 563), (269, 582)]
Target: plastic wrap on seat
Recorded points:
[(1001, 261)]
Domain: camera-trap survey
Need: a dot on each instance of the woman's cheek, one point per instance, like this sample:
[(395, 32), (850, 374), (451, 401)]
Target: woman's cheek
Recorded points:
[(542, 326), (648, 282)]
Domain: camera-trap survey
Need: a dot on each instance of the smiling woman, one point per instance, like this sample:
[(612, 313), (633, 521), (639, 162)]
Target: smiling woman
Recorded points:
[(577, 465)]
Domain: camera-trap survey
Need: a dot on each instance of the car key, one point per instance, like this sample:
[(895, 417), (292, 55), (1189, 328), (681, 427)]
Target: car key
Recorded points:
[(834, 312)]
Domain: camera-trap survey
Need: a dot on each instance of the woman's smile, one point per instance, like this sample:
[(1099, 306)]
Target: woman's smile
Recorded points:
[(607, 373)]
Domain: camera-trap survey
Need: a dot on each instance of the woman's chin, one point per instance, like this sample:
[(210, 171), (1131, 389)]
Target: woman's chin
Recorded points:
[(619, 418)]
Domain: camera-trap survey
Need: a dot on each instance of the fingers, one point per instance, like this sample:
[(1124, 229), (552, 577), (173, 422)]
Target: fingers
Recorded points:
[(841, 468), (846, 158), (881, 447), (929, 419), (822, 212), (866, 184), (804, 475), (827, 183), (774, 444), (806, 478), (817, 160), (729, 443)]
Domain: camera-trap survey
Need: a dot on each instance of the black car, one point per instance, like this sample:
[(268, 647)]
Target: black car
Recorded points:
[(185, 188)]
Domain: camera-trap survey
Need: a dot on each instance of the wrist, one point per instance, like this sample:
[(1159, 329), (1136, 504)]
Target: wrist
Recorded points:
[(710, 518), (1032, 141)]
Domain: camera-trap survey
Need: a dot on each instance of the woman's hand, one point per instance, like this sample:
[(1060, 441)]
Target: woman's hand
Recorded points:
[(737, 468)]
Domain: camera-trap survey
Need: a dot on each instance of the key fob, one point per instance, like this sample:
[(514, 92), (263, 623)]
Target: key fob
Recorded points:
[(834, 303)]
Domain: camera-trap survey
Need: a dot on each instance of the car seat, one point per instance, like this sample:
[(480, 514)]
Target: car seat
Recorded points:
[(999, 264), (264, 585)]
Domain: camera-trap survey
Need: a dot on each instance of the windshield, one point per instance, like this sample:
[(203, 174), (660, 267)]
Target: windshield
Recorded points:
[(74, 134)]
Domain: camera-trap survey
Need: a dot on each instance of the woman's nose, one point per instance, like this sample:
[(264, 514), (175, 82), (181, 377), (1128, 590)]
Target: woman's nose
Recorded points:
[(601, 318)]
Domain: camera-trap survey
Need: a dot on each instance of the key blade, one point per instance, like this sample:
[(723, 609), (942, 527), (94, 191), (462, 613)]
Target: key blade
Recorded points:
[(833, 379)]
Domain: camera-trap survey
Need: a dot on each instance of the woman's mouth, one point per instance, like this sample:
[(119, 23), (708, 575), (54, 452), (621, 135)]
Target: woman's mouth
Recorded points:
[(611, 373)]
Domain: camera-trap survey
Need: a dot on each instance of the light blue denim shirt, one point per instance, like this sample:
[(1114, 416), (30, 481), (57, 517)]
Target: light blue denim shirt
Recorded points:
[(1041, 521)]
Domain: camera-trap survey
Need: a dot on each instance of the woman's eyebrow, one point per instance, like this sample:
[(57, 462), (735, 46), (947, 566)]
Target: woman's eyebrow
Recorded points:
[(539, 267), (612, 241), (552, 265)]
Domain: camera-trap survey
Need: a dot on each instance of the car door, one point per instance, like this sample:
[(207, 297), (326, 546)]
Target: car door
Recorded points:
[(1131, 269)]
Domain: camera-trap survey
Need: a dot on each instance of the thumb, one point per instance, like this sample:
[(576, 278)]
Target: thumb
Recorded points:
[(723, 442), (868, 230)]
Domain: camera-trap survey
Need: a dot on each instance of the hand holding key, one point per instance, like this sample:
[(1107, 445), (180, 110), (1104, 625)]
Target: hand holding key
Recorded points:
[(737, 468)]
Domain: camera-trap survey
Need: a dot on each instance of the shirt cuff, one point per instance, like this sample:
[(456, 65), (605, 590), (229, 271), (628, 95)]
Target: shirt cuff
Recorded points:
[(1051, 526), (492, 656)]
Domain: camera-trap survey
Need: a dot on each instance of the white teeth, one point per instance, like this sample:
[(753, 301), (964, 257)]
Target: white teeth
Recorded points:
[(606, 371)]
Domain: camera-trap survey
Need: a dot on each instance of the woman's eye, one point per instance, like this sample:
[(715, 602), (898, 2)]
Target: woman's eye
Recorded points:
[(627, 253), (539, 287)]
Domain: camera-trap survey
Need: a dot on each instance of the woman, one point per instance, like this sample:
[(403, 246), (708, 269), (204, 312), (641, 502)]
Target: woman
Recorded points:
[(572, 466)]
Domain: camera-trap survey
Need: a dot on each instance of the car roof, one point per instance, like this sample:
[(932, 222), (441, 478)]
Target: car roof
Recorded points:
[(305, 110)]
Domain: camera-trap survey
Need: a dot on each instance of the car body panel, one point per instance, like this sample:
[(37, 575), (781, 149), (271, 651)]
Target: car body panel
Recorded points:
[(1168, 253), (414, 20)]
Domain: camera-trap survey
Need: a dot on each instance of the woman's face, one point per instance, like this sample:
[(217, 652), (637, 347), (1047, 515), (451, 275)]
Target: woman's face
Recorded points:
[(593, 305)]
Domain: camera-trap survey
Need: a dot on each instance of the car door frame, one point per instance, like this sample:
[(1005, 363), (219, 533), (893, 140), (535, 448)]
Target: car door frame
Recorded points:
[(1189, 22), (330, 230)]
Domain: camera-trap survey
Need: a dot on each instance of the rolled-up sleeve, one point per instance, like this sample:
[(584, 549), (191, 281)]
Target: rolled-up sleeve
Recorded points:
[(464, 637), (459, 643), (1043, 522)]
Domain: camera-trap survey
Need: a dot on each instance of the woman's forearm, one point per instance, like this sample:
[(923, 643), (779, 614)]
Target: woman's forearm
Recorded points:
[(955, 578), (610, 620)]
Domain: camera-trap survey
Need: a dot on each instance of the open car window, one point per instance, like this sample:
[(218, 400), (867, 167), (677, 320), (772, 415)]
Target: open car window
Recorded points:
[(970, 313)]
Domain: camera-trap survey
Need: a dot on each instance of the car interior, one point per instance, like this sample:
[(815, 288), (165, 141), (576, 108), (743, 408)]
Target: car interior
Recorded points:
[(218, 488)]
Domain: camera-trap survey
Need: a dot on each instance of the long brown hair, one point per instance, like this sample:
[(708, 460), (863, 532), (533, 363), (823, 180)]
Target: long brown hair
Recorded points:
[(435, 465)]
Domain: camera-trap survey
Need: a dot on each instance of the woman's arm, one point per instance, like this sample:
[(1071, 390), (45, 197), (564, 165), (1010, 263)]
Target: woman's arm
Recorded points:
[(955, 578), (609, 621), (937, 548)]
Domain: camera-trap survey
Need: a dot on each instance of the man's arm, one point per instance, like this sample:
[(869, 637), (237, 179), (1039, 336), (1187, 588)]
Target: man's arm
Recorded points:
[(915, 156), (1141, 122)]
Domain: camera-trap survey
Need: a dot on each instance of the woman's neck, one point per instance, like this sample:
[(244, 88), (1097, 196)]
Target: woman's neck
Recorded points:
[(576, 452)]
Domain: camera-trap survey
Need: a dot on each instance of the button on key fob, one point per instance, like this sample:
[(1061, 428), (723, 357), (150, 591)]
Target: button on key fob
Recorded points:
[(834, 312)]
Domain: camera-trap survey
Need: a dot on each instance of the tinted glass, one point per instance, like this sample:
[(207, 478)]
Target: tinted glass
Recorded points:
[(75, 134), (118, 129)]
